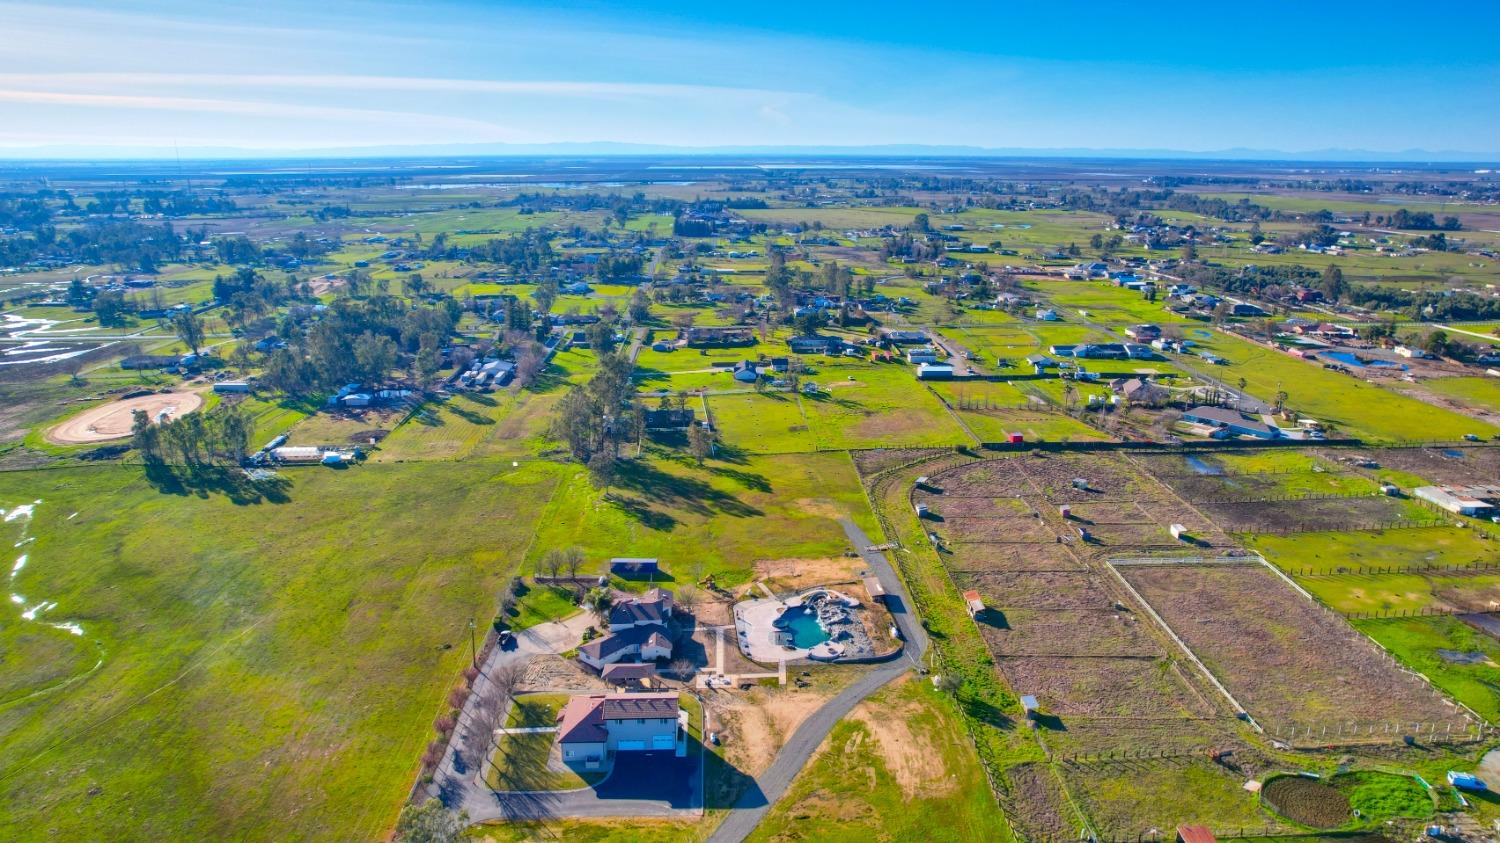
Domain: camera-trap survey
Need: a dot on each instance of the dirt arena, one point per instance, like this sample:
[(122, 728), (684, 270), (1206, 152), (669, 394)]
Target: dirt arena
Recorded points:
[(113, 420)]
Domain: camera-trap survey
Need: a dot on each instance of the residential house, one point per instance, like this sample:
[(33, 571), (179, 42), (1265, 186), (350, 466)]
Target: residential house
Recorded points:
[(713, 337), (904, 337), (815, 345), (746, 372), (1143, 333), (591, 728), (637, 627), (1230, 422), (1140, 391), (669, 419)]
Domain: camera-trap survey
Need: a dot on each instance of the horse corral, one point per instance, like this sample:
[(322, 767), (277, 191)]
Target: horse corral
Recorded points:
[(114, 420)]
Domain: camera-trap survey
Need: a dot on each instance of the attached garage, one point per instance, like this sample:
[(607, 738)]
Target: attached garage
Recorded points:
[(625, 746), (663, 742)]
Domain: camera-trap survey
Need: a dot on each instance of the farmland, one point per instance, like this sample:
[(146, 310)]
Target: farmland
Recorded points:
[(204, 640), (1255, 645)]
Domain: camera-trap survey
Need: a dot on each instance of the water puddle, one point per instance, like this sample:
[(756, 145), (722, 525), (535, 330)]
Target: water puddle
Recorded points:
[(1200, 467), (23, 513), (30, 614)]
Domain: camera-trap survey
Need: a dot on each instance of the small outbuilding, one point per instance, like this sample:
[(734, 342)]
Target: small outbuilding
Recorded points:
[(627, 566), (1195, 834), (974, 601)]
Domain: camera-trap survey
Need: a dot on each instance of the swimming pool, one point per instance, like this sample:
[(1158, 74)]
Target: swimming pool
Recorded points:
[(802, 627)]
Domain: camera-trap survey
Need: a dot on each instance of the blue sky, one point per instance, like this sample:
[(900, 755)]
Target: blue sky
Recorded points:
[(1165, 75)]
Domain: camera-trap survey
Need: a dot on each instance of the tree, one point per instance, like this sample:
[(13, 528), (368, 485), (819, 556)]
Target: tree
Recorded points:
[(235, 430), (683, 669), (1437, 343), (109, 306), (1333, 285), (599, 601), (921, 223), (603, 470), (700, 442), (430, 822), (552, 562), (374, 356), (640, 306), (688, 598), (572, 560), (145, 437)]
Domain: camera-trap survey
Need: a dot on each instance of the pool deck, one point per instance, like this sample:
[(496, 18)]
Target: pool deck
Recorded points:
[(755, 629)]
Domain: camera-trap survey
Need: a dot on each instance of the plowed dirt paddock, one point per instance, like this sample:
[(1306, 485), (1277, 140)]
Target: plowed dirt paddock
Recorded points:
[(1291, 663), (113, 420)]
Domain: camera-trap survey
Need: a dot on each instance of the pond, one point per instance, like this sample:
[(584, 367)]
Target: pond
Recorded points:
[(801, 625), (1350, 359)]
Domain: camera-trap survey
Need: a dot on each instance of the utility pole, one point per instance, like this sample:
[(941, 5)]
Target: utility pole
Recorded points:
[(473, 648)]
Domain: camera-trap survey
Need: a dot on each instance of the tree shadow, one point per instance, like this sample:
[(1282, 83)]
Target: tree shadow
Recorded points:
[(469, 415), (686, 493), (479, 398), (203, 481), (642, 512)]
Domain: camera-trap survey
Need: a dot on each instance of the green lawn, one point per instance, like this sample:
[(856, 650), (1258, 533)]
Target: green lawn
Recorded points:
[(520, 762), (715, 519), (541, 603), (270, 670), (850, 791)]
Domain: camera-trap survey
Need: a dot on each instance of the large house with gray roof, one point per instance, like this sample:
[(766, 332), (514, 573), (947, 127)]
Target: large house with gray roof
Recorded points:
[(637, 627), (591, 728)]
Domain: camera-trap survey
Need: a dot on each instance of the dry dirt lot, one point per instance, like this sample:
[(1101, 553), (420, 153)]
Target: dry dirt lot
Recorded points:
[(1290, 662)]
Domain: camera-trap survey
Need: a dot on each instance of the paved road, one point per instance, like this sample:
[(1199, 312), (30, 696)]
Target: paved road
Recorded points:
[(771, 785)]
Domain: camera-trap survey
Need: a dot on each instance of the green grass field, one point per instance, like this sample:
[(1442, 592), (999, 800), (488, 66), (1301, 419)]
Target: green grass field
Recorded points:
[(1358, 408), (876, 405), (717, 519), (1479, 392), (1415, 548), (772, 423), (269, 669), (1416, 642)]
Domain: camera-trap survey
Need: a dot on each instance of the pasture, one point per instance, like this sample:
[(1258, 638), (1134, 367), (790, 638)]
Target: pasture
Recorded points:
[(272, 658), (716, 520)]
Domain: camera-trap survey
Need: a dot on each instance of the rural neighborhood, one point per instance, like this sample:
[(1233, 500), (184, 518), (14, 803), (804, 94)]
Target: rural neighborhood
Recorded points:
[(725, 424)]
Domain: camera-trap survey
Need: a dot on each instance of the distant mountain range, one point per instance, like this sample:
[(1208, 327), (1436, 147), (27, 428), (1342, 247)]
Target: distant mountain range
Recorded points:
[(607, 149)]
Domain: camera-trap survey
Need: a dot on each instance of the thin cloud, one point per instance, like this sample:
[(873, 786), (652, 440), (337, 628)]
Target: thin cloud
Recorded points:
[(240, 107), (538, 87)]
